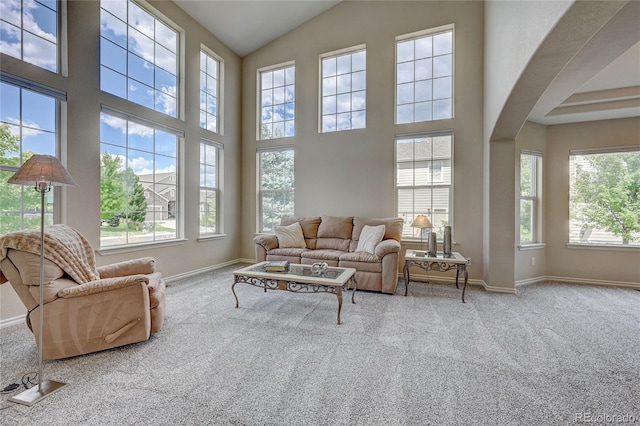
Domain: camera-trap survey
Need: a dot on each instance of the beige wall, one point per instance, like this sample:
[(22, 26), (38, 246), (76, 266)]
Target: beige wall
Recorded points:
[(532, 137), (514, 31), (82, 206), (599, 265), (352, 172)]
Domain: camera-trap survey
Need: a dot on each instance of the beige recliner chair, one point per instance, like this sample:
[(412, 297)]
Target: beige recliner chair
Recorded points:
[(123, 302)]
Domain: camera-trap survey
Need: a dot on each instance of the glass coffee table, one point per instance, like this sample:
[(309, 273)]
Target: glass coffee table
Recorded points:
[(299, 279)]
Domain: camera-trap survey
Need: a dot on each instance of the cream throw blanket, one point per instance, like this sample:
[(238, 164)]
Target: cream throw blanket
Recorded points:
[(63, 245)]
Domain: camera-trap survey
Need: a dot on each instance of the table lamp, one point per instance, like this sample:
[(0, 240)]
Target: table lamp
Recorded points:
[(43, 172), (422, 222)]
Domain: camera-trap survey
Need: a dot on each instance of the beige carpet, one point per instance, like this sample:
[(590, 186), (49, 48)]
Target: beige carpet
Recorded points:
[(550, 355)]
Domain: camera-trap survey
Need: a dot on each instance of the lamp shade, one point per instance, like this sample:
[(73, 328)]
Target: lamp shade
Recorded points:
[(421, 221), (42, 168)]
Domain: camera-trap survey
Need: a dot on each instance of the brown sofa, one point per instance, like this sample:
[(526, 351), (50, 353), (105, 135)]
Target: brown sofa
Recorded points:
[(334, 239)]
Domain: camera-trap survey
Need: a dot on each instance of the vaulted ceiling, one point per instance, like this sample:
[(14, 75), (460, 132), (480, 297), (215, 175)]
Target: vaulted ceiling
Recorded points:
[(601, 82)]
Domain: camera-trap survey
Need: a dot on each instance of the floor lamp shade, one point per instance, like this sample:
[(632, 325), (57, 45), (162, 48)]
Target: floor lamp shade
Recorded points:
[(43, 172), (42, 169)]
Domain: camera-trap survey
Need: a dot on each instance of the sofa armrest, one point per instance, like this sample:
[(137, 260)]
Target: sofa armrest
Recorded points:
[(387, 246), (268, 241), (142, 265), (102, 285)]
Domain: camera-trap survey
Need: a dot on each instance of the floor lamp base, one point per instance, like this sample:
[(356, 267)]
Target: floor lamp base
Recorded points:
[(33, 395)]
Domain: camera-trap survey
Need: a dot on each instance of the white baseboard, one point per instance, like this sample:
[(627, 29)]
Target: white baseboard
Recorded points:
[(12, 321), (173, 278), (554, 279)]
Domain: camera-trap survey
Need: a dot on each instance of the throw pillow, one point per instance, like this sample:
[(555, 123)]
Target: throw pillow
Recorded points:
[(369, 238), (290, 236)]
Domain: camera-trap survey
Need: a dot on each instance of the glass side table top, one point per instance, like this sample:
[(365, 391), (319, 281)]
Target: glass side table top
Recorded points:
[(419, 255)]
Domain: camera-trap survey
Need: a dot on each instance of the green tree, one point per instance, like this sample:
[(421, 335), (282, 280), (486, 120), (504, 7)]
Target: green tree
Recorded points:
[(137, 204), (606, 194), (112, 190), (121, 194), (15, 199), (277, 187)]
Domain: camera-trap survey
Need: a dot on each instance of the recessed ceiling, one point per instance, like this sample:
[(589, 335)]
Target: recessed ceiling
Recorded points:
[(245, 26)]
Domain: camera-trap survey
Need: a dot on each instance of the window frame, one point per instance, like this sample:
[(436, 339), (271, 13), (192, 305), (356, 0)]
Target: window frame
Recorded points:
[(59, 20), (158, 92), (604, 241), (534, 196), (178, 203), (53, 205), (260, 101), (415, 36), (409, 216), (261, 192), (349, 51), (219, 90), (219, 153)]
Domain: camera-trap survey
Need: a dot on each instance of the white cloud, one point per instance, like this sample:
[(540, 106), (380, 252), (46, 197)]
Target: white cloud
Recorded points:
[(30, 24), (140, 165), (38, 46), (28, 128)]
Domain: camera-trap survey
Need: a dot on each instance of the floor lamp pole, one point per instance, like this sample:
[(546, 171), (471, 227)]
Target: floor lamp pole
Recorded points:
[(45, 387)]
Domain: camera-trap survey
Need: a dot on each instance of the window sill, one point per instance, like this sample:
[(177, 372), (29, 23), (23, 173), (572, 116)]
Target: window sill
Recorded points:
[(532, 246), (212, 237), (139, 247), (425, 242), (619, 247)]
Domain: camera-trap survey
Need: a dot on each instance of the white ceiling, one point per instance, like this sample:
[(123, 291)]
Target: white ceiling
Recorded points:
[(600, 83), (247, 25)]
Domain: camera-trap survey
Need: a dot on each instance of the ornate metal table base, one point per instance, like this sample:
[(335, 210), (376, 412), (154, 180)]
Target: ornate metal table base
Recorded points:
[(297, 287), (441, 265)]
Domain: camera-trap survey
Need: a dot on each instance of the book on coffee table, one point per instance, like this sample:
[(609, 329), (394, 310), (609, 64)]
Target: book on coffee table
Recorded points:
[(277, 266)]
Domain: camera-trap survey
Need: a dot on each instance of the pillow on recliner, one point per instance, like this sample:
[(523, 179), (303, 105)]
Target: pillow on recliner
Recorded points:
[(369, 238), (290, 236)]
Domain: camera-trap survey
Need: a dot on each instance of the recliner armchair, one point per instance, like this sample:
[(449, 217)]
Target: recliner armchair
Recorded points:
[(124, 305)]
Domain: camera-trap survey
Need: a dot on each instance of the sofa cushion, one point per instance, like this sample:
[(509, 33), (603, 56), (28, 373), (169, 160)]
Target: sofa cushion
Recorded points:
[(361, 261), (286, 252), (51, 289), (334, 233), (322, 254), (290, 236), (336, 227), (29, 266), (309, 228), (392, 228), (369, 238)]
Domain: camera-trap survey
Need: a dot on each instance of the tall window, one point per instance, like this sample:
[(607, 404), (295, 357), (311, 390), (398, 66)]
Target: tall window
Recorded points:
[(277, 102), (530, 197), (209, 91), (276, 188), (139, 192), (604, 196), (138, 56), (210, 154), (424, 172), (29, 31), (424, 76), (28, 125), (344, 90)]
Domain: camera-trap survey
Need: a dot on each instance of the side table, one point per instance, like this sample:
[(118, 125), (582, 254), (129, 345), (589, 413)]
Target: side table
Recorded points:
[(439, 263)]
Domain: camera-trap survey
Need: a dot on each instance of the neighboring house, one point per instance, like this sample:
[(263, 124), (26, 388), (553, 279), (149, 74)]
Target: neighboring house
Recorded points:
[(160, 195)]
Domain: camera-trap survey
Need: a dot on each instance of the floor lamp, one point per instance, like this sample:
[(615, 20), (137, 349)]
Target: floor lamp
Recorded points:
[(421, 221), (43, 172)]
